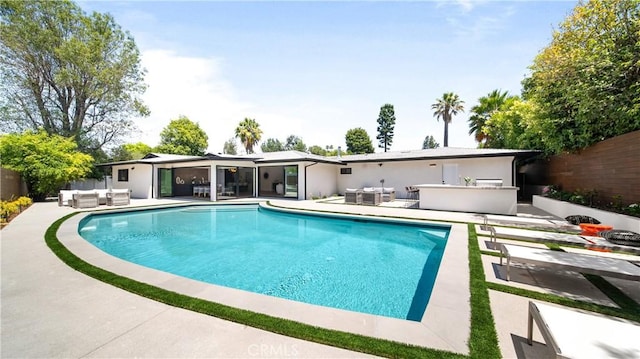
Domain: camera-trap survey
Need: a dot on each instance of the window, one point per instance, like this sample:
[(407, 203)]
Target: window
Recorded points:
[(123, 175), (345, 171)]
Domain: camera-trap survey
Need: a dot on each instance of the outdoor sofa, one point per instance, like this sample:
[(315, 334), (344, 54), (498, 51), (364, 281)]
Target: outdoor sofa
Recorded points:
[(93, 198)]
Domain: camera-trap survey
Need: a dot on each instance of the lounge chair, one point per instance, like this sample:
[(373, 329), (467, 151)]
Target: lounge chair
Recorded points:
[(85, 199), (118, 197), (573, 334), (583, 263), (371, 197), (353, 196)]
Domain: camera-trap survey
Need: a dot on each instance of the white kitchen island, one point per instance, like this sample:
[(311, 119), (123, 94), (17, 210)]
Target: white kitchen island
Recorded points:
[(477, 199)]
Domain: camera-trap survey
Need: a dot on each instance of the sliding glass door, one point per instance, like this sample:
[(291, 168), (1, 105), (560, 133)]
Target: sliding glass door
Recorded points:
[(165, 182), (291, 181)]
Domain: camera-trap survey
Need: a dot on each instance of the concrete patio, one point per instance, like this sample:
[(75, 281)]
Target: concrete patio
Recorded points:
[(50, 310)]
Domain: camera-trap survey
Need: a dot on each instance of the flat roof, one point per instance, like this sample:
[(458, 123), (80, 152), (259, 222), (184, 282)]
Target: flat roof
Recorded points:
[(436, 153), (298, 156)]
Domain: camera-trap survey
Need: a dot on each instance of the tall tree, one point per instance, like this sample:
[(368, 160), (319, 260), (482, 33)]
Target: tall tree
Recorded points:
[(429, 142), (516, 126), (69, 73), (249, 133), (386, 123), (130, 151), (317, 150), (447, 107), (586, 82), (272, 145), (230, 147), (45, 162), (480, 113), (358, 141), (183, 137), (294, 143)]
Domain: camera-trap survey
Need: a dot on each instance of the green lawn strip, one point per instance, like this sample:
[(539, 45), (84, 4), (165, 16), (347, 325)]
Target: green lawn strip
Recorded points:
[(616, 295), (483, 342), (360, 343), (567, 302)]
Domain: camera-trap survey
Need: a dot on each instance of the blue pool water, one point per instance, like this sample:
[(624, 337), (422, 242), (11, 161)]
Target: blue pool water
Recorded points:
[(364, 266)]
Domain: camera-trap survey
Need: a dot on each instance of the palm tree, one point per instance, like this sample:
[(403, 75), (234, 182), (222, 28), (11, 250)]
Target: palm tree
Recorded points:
[(447, 107), (487, 106), (249, 133)]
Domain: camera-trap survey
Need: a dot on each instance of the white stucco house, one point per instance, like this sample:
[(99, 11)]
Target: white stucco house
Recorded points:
[(302, 175)]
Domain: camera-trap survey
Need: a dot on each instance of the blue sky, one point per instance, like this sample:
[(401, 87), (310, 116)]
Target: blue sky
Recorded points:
[(318, 69)]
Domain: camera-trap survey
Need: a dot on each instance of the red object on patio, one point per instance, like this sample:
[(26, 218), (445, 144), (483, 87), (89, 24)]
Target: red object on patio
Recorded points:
[(590, 229)]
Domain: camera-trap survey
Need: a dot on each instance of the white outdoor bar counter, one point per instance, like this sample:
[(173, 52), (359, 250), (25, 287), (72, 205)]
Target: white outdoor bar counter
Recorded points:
[(478, 199)]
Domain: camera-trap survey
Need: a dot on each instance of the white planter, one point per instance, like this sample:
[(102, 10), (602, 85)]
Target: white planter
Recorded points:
[(564, 209)]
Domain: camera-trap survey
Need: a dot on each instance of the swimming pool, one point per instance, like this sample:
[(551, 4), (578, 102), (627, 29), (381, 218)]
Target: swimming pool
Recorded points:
[(365, 266)]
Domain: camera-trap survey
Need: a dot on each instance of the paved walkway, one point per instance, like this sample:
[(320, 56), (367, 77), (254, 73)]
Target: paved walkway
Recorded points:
[(51, 311)]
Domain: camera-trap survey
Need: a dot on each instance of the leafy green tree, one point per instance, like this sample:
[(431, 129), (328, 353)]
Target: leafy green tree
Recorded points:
[(249, 133), (429, 142), (587, 80), (317, 150), (486, 107), (68, 73), (183, 137), (45, 162), (272, 145), (447, 107), (358, 141), (386, 123), (516, 126), (331, 151), (230, 147), (130, 151), (294, 143)]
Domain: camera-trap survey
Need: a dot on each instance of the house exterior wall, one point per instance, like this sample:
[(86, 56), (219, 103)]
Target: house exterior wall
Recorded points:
[(140, 181), (320, 179), (400, 174)]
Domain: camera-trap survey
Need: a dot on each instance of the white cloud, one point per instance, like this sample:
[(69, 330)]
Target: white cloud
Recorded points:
[(189, 86)]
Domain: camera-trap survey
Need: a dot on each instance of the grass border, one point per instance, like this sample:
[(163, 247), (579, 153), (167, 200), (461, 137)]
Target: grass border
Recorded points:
[(350, 341), (483, 341)]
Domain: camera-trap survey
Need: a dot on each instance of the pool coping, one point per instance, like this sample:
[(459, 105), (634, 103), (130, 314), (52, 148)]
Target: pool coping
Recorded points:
[(440, 327)]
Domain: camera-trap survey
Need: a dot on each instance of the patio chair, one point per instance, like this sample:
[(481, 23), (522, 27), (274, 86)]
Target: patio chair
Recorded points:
[(594, 337), (387, 194), (118, 197), (582, 263), (371, 197), (353, 196), (85, 199), (65, 197)]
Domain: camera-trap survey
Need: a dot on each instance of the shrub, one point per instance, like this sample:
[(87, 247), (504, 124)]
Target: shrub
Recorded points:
[(9, 208), (633, 209)]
